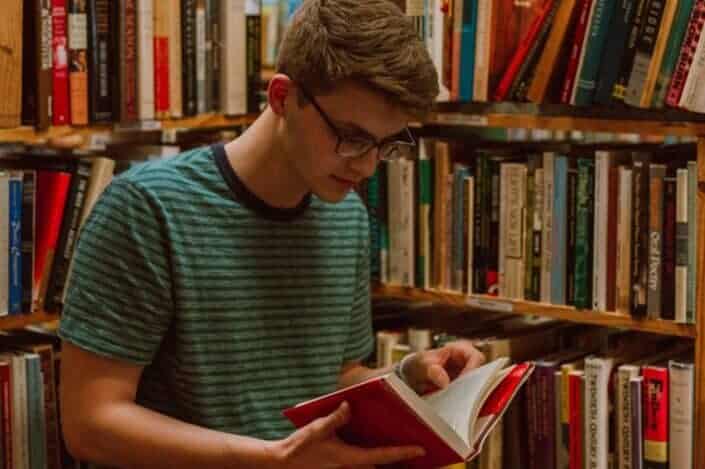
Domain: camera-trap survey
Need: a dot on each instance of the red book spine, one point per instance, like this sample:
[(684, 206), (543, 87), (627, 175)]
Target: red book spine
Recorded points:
[(576, 50), (6, 396), (690, 43), (161, 75), (521, 52), (61, 63), (655, 416), (575, 422)]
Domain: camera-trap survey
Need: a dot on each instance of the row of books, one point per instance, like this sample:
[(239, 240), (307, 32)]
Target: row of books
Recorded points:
[(43, 203), (591, 401), (643, 53), (610, 228), (105, 61), (30, 434)]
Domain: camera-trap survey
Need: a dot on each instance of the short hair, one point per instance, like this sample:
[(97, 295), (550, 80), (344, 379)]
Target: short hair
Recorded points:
[(371, 42)]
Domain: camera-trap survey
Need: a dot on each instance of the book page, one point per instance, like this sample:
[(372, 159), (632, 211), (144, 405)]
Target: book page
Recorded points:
[(459, 403)]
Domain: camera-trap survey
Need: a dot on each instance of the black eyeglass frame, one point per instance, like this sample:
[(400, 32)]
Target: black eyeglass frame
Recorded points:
[(390, 143)]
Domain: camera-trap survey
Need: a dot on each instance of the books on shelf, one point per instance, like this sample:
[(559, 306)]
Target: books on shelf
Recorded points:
[(451, 424), (610, 227)]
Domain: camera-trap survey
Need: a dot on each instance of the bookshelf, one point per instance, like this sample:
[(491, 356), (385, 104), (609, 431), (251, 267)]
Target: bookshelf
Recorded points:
[(23, 320), (588, 119)]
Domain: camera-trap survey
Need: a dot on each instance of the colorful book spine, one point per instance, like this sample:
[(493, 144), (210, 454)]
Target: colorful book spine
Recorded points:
[(578, 38), (687, 54), (78, 61), (614, 50), (656, 193), (682, 247), (584, 234), (61, 101), (100, 61), (15, 244), (468, 51), (656, 393)]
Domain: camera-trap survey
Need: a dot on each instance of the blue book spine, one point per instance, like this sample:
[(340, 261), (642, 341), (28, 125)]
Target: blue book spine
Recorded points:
[(467, 50), (15, 258), (559, 273)]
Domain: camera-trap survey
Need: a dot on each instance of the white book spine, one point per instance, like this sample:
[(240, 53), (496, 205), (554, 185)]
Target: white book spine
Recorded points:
[(599, 271), (623, 418), (513, 186), (597, 375), (692, 90), (201, 53), (20, 419), (436, 43), (681, 415), (408, 181), (233, 78), (4, 243), (546, 261), (681, 245), (145, 62)]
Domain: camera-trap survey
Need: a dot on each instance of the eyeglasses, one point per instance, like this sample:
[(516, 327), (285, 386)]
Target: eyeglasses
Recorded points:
[(388, 149)]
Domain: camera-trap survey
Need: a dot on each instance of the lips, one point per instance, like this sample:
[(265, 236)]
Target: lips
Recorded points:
[(344, 182)]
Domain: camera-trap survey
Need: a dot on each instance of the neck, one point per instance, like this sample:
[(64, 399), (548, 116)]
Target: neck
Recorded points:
[(260, 161)]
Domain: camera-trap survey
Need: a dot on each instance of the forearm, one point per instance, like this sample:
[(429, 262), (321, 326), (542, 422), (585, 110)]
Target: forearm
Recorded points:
[(130, 436)]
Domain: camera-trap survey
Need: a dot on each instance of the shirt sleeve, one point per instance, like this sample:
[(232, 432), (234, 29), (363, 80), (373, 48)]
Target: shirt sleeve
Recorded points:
[(361, 339), (119, 300)]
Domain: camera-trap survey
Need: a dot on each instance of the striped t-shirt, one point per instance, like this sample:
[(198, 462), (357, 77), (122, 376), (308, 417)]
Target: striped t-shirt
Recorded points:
[(236, 309)]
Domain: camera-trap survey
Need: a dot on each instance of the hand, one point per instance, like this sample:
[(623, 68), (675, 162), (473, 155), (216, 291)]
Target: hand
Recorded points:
[(436, 368), (316, 446)]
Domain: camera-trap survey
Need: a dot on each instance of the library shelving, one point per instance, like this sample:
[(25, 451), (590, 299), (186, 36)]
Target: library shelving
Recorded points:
[(656, 123)]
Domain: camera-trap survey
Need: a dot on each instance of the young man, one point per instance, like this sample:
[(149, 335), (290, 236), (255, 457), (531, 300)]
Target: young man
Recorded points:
[(214, 290)]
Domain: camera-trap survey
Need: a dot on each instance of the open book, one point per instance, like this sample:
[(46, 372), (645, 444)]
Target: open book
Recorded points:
[(450, 424)]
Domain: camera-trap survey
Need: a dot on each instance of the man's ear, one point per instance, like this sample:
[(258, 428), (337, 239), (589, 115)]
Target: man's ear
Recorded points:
[(280, 86)]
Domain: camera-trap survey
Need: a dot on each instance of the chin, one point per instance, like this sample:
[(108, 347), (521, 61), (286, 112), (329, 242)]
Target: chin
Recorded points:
[(331, 197)]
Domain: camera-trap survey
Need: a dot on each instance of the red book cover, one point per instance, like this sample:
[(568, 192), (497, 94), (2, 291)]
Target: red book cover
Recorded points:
[(581, 29), (575, 421), (687, 54), (61, 62), (161, 75), (52, 190), (7, 409), (655, 416), (386, 412), (521, 52)]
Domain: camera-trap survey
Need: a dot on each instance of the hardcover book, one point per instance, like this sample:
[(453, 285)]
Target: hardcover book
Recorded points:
[(451, 424)]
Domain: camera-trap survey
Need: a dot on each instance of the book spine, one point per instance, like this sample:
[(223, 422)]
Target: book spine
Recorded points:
[(595, 40), (576, 383), (668, 272), (614, 50), (536, 234), (4, 242), (627, 61), (100, 64), (529, 225), (469, 241), (31, 57), (479, 222), (687, 53), (571, 232), (45, 77), (425, 175), (201, 54), (636, 385), (624, 241), (640, 234), (28, 208), (681, 413), (15, 244), (60, 102), (372, 211), (467, 51), (493, 257), (644, 52), (597, 375), (655, 417), (578, 38), (667, 19), (655, 214), (458, 222), (691, 89), (691, 304), (624, 410), (161, 59), (560, 232), (176, 90), (383, 224), (547, 238), (215, 54), (480, 92), (234, 59), (600, 234), (8, 412), (128, 60), (682, 230), (78, 61), (670, 55), (253, 40), (584, 232), (145, 59), (188, 21)]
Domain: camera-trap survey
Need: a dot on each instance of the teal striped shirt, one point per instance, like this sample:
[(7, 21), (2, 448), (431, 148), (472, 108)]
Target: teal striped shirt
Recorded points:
[(237, 310)]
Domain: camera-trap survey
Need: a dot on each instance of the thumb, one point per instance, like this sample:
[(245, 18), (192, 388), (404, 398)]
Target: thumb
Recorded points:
[(325, 427)]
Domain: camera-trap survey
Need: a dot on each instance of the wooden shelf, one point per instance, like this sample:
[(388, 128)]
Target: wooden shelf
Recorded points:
[(23, 320), (611, 119), (565, 313), (76, 137)]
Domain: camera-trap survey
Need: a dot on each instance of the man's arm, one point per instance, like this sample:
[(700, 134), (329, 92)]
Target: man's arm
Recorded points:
[(101, 423)]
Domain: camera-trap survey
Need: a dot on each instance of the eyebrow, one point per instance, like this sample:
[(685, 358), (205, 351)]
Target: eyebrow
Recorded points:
[(356, 128)]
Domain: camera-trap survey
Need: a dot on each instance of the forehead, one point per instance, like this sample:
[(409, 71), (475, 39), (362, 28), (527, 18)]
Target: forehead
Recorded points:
[(365, 108)]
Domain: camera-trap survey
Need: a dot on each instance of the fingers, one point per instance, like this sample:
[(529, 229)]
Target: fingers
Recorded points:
[(474, 360), (438, 376), (324, 427)]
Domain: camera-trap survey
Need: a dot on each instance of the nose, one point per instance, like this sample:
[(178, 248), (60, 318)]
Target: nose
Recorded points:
[(365, 165)]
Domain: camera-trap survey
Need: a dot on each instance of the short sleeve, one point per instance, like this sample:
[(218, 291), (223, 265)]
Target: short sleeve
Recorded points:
[(361, 339), (119, 298)]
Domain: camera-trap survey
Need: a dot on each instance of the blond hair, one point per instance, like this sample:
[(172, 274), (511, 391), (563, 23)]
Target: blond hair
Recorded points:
[(369, 41)]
